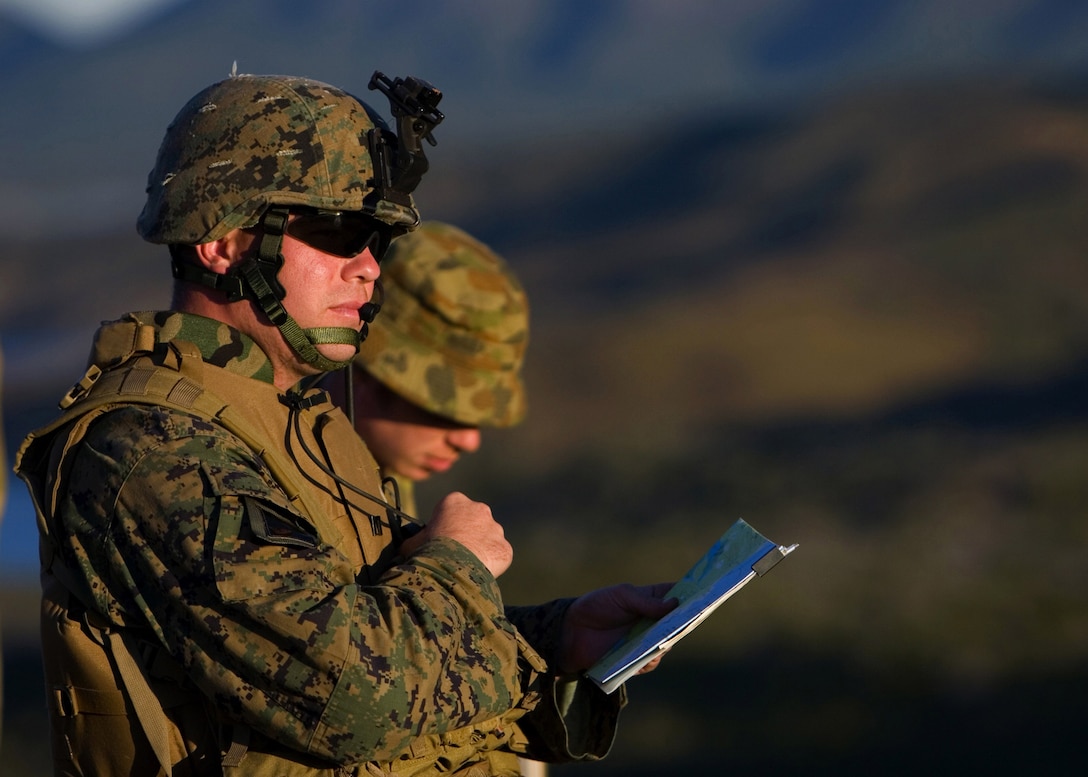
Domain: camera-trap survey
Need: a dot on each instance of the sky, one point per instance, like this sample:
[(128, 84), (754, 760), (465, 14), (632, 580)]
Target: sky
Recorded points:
[(82, 22)]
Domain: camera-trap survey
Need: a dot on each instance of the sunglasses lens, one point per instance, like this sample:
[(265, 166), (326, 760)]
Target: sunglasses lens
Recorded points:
[(341, 234)]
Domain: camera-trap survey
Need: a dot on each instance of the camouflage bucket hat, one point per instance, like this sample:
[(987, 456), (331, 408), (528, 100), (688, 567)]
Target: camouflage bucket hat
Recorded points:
[(252, 141), (453, 328)]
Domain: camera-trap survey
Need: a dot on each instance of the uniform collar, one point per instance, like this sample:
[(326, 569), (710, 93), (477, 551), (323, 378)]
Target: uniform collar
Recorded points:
[(219, 344)]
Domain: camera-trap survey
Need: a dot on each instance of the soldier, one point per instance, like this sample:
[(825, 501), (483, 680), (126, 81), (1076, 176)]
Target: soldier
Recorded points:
[(443, 358), (224, 587)]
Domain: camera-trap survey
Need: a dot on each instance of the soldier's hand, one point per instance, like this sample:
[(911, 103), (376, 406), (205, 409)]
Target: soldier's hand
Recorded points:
[(597, 620), (471, 524)]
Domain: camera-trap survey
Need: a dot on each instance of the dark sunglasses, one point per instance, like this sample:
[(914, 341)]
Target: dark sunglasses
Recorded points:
[(341, 233)]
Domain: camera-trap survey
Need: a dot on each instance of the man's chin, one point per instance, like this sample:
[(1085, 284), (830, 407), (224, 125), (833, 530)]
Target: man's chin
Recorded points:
[(338, 352), (417, 473)]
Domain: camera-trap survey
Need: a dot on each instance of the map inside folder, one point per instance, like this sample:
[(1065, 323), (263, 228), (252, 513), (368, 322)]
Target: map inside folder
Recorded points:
[(739, 555)]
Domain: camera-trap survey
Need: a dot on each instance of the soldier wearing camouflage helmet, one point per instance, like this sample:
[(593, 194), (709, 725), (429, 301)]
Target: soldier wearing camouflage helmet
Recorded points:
[(288, 173), (225, 589), (444, 357)]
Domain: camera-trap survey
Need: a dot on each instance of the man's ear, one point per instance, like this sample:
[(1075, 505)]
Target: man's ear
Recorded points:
[(222, 254)]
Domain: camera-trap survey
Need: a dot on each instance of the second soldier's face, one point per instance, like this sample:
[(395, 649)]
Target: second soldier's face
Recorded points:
[(408, 440)]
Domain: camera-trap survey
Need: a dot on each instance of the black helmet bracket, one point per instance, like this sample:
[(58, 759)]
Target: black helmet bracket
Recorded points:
[(413, 103)]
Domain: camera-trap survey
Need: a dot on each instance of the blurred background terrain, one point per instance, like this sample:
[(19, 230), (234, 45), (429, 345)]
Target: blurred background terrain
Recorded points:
[(816, 264)]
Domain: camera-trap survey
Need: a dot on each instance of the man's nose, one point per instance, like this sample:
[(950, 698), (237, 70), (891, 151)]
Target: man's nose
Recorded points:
[(465, 439), (363, 265)]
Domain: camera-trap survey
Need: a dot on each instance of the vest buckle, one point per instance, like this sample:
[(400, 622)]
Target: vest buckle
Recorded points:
[(80, 389)]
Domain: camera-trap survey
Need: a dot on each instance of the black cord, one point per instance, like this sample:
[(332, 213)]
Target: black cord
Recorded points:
[(394, 515)]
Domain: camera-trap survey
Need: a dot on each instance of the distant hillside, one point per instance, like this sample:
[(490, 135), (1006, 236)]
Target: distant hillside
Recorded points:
[(759, 267), (746, 266), (87, 119)]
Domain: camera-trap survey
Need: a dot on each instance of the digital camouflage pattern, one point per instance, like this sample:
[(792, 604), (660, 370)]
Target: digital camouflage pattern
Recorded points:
[(453, 328), (234, 558), (251, 141)]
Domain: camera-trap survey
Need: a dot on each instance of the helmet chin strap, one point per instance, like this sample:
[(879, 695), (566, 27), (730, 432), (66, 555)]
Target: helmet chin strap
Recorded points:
[(259, 275), (256, 278)]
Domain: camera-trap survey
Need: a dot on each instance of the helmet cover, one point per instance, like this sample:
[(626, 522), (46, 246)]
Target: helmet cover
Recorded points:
[(252, 141)]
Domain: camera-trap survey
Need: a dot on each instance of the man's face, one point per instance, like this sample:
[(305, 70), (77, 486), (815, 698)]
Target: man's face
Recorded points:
[(403, 437), (324, 290)]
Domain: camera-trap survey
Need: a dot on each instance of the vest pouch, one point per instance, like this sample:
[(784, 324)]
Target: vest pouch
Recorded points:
[(89, 702)]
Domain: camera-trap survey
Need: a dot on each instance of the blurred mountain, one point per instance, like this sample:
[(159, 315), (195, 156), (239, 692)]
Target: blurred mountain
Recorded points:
[(747, 265), (87, 118)]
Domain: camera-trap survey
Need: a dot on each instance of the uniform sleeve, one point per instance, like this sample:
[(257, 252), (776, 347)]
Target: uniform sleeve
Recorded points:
[(177, 528), (575, 720)]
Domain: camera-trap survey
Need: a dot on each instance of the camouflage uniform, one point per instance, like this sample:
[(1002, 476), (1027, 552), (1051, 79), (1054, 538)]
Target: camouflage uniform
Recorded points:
[(453, 331), (254, 599)]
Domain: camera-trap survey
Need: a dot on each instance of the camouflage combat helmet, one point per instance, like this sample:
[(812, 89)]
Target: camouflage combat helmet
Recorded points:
[(247, 150), (453, 328), (251, 141)]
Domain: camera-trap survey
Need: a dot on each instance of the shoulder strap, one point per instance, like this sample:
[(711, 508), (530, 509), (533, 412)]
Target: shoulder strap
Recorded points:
[(172, 375), (148, 708)]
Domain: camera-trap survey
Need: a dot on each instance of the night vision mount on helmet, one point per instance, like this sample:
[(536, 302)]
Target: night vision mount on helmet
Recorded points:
[(248, 151)]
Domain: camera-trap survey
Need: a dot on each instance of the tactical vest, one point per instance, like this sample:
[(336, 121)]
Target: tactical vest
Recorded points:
[(119, 704)]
